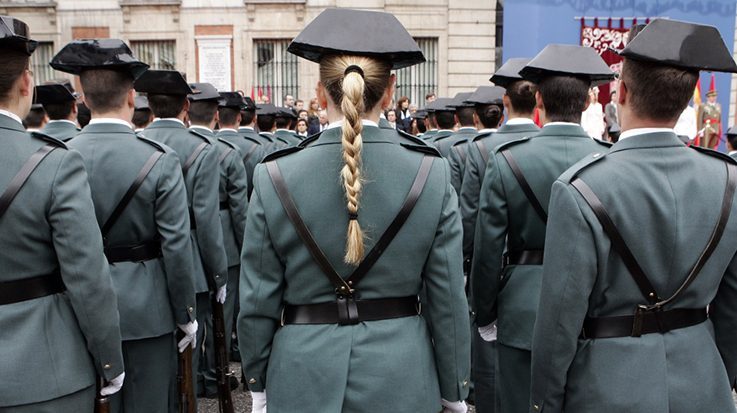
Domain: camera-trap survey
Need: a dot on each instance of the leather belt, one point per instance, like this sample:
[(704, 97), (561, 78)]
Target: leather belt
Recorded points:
[(224, 205), (526, 257), (15, 291), (649, 322), (346, 311), (192, 220), (144, 251)]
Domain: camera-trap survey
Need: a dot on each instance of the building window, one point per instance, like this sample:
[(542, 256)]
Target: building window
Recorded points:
[(159, 54), (418, 80), (275, 72), (40, 59)]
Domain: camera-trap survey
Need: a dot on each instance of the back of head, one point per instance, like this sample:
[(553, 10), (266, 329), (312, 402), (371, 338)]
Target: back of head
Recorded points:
[(58, 111), (356, 84), (35, 118), (465, 116), (265, 122), (657, 92), (564, 98), (83, 115), (489, 115), (445, 119), (142, 118), (229, 117), (202, 112), (421, 127), (522, 97), (105, 90), (247, 117), (283, 122), (13, 64), (167, 106)]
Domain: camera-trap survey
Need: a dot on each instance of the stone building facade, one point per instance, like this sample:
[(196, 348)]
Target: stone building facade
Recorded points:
[(241, 44)]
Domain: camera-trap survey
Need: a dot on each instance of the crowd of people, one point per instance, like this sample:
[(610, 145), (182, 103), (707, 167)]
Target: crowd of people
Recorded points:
[(517, 247)]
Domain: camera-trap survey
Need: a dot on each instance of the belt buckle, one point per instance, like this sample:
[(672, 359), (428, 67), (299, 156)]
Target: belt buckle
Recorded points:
[(640, 311), (418, 306), (281, 317), (347, 310)]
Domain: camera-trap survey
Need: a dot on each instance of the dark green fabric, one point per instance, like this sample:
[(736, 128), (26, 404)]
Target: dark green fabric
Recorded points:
[(483, 373), (61, 130), (75, 402), (444, 139), (202, 183), (514, 379), (355, 368), (56, 343), (289, 136), (652, 187), (245, 145), (462, 135), (154, 295)]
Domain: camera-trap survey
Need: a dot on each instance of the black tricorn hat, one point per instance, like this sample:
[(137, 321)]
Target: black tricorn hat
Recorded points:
[(568, 60), (440, 105), (111, 54), (232, 100), (267, 109), (55, 93), (141, 103), (683, 45), (202, 92), (285, 113), (162, 82), (487, 95), (732, 131), (459, 100), (357, 32), (509, 72), (420, 114), (250, 104), (14, 34)]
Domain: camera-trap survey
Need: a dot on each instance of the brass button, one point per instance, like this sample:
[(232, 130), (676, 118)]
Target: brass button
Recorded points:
[(536, 407), (107, 367), (190, 310), (217, 275), (465, 383), (597, 154), (252, 381)]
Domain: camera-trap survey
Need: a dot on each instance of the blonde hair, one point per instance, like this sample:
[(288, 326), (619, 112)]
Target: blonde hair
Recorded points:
[(356, 91)]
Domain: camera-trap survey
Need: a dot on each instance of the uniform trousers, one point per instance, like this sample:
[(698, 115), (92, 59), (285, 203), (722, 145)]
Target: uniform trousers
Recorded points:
[(82, 401), (514, 379), (207, 369), (150, 376), (204, 313), (484, 373)]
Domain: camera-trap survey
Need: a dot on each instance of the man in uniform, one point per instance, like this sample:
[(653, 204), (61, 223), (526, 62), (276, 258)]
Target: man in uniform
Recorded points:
[(203, 116), (623, 323), (60, 103), (142, 116), (167, 96), (248, 123), (36, 118), (421, 117), (266, 120), (464, 118), (59, 325), (436, 105), (710, 120), (283, 121), (443, 117), (506, 270), (140, 203), (252, 151)]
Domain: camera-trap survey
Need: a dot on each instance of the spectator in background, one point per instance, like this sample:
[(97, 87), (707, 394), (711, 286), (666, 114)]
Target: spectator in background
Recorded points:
[(391, 117), (299, 105), (302, 114), (404, 118), (611, 113), (36, 118), (412, 110), (302, 127), (321, 124), (430, 97), (289, 101), (313, 112), (592, 119)]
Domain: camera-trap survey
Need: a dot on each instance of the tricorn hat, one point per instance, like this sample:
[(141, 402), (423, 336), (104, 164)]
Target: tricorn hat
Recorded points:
[(460, 100), (568, 60), (14, 34), (55, 93), (440, 105), (141, 103), (487, 95), (233, 100), (112, 54), (202, 92), (162, 82), (509, 72)]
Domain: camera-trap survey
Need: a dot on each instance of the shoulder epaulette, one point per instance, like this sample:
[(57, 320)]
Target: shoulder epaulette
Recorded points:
[(509, 144), (581, 165), (250, 139), (415, 140), (441, 136), (461, 142), (306, 141), (200, 135), (281, 140), (603, 143), (153, 143), (49, 139), (232, 145), (426, 149), (482, 136), (266, 135), (280, 153), (714, 153)]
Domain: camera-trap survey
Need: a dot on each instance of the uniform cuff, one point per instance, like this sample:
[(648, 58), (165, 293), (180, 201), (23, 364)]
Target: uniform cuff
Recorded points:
[(110, 369), (255, 384), (186, 315)]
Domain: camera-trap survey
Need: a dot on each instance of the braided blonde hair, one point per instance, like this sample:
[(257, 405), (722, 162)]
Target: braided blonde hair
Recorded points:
[(356, 84)]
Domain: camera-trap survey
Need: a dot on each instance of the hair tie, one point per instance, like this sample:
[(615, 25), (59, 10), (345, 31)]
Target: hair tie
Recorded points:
[(353, 216), (353, 68)]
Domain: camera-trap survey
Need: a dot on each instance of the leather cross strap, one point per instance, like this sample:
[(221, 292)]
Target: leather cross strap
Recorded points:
[(249, 153), (193, 157), (536, 205), (118, 211), (341, 285), (22, 176), (224, 155), (462, 153), (483, 150)]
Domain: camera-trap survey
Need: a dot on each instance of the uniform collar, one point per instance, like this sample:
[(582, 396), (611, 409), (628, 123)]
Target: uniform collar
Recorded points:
[(660, 139), (520, 121), (177, 120), (205, 128), (58, 121), (229, 130), (564, 129), (12, 116), (115, 121), (364, 122), (642, 131), (245, 128)]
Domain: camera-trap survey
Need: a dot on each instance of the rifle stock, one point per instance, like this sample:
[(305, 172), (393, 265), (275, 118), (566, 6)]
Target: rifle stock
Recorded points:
[(221, 357), (102, 403), (185, 386)]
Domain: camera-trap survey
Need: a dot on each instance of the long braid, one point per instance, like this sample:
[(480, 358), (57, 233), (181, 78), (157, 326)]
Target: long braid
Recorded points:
[(352, 107)]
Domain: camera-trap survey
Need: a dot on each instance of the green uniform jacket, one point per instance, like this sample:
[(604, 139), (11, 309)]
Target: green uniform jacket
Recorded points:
[(51, 346), (267, 140), (679, 371), (61, 130), (202, 183), (252, 152), (445, 144), (473, 174), (152, 295), (443, 141), (288, 136), (429, 135), (233, 200), (508, 222), (397, 365)]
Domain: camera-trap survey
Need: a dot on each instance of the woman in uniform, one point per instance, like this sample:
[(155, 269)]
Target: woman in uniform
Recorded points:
[(343, 233)]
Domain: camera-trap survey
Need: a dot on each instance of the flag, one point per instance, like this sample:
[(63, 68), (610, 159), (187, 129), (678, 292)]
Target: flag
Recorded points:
[(253, 93)]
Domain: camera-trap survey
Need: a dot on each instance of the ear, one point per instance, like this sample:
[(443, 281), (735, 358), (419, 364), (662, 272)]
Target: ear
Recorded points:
[(186, 105), (131, 100), (501, 121), (507, 102), (539, 99), (322, 96), (621, 92), (587, 103), (216, 119), (26, 85), (386, 101)]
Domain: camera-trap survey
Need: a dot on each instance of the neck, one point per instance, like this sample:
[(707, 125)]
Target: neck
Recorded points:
[(518, 115), (122, 114), (233, 126), (632, 121), (14, 109)]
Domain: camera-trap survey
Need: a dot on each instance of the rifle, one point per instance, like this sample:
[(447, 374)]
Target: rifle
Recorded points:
[(225, 401), (185, 385), (102, 403)]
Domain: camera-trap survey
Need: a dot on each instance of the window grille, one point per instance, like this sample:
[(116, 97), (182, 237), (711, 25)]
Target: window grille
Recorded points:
[(159, 54), (40, 59), (418, 80), (275, 72)]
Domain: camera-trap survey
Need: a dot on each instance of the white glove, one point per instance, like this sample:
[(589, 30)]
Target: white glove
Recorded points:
[(221, 294), (190, 338), (454, 407), (114, 386), (488, 333), (259, 401)]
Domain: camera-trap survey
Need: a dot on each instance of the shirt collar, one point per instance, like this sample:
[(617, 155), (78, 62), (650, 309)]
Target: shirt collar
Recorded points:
[(285, 130), (561, 124), (245, 128), (490, 130), (170, 119), (111, 120), (63, 121), (227, 129), (732, 153), (200, 127), (642, 131), (11, 115), (364, 122), (467, 128), (521, 121)]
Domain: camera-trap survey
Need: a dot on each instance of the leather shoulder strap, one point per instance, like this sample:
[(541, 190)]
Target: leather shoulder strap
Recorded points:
[(304, 233), (128, 196), (193, 157), (249, 153), (224, 154), (461, 149), (536, 205), (386, 238), (482, 148), (22, 176)]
